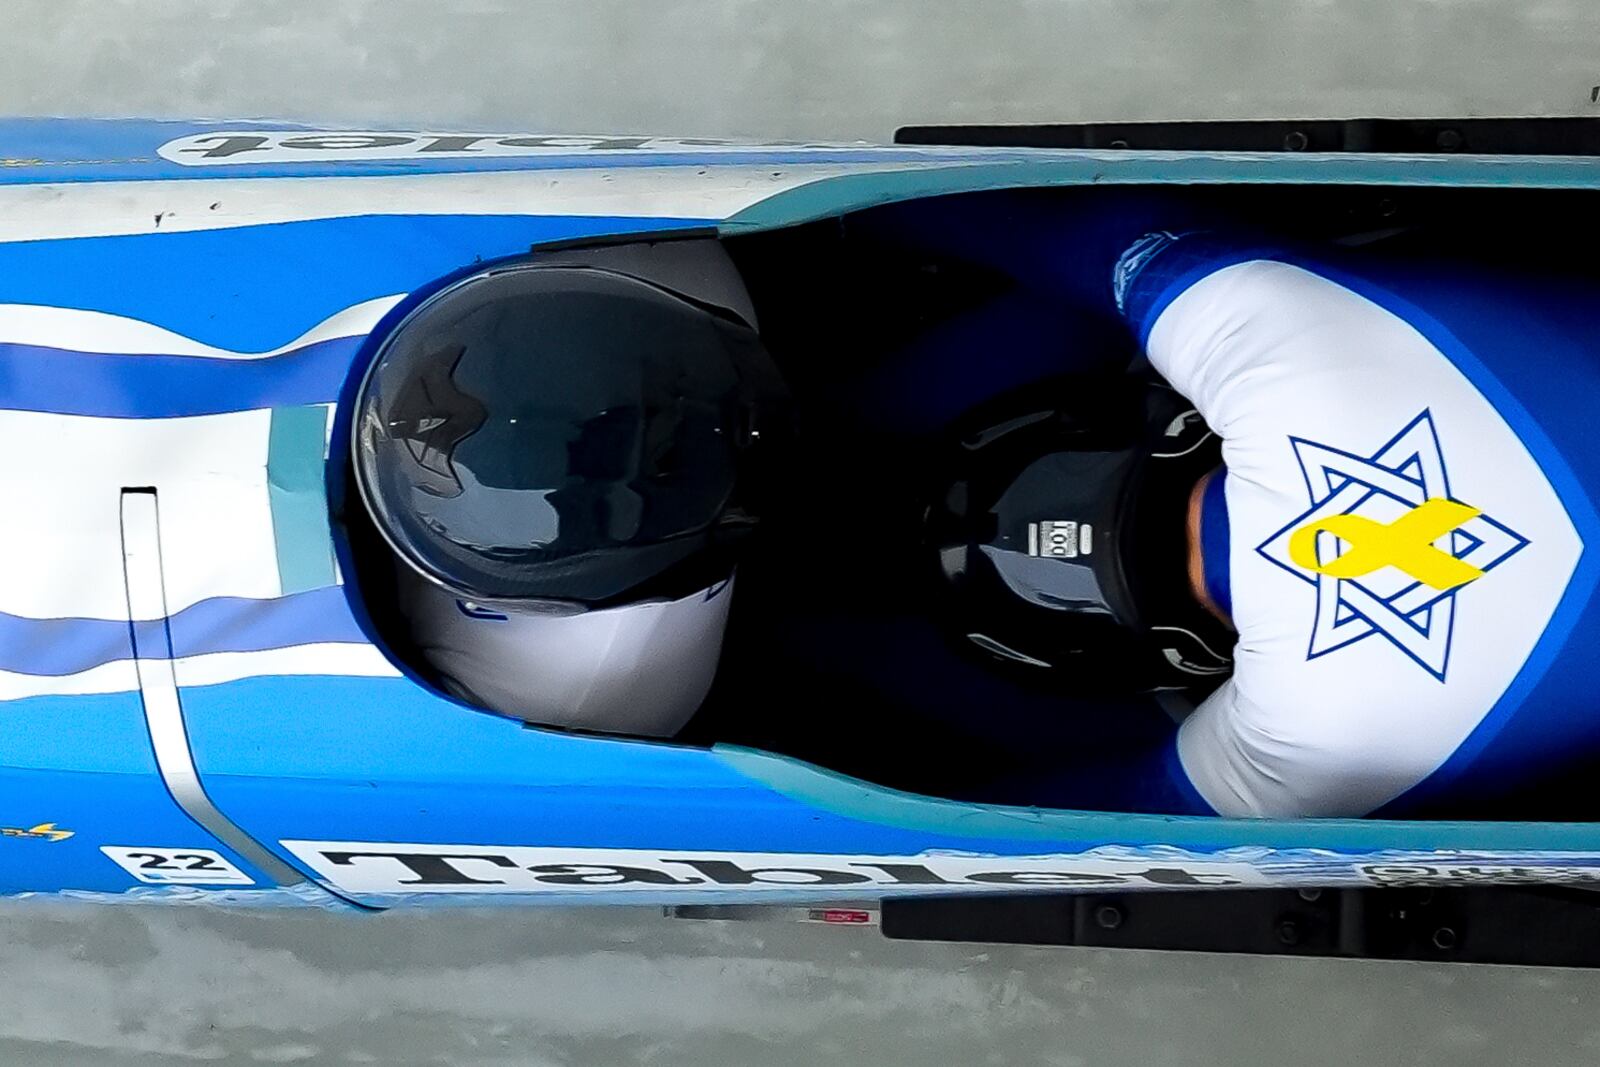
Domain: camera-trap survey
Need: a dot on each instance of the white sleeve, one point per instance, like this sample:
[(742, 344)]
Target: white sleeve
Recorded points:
[(1346, 693)]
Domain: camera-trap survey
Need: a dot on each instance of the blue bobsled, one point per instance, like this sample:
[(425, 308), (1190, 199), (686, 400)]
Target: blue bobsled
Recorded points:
[(194, 703)]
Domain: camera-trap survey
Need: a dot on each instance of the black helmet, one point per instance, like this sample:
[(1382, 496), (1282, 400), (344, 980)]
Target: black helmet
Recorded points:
[(1060, 535), (567, 436)]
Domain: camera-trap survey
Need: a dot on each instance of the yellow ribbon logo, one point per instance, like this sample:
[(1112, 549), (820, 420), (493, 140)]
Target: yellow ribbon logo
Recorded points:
[(47, 830), (1406, 543)]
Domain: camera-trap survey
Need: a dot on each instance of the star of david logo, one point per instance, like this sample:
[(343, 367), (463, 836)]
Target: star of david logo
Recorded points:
[(1389, 602)]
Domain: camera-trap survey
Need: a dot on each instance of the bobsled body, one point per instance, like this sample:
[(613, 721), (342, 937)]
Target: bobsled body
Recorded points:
[(192, 703)]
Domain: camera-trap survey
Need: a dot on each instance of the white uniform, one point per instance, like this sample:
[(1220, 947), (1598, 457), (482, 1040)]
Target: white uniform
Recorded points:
[(1349, 688)]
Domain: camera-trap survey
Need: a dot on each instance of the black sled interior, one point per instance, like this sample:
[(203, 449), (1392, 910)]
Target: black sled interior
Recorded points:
[(890, 324)]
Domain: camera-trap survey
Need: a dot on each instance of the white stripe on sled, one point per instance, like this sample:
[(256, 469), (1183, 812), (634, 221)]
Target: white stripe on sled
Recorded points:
[(215, 668), (119, 676), (331, 659), (98, 331)]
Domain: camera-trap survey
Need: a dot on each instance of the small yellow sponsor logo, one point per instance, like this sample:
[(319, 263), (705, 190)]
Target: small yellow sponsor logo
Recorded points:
[(25, 161), (1406, 543), (47, 831)]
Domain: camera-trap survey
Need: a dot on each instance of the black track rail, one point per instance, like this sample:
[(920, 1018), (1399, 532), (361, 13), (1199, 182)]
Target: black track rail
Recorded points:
[(1514, 136), (1547, 926)]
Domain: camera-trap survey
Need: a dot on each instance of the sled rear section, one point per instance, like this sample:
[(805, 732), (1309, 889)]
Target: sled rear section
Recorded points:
[(205, 706)]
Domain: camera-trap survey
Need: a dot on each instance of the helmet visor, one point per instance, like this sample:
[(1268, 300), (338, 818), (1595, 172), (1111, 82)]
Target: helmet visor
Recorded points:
[(562, 433)]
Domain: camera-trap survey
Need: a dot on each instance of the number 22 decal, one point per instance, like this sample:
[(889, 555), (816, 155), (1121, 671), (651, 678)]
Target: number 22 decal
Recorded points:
[(176, 866), (194, 861)]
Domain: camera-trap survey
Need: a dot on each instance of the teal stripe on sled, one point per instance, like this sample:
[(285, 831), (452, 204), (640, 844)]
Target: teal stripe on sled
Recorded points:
[(298, 498)]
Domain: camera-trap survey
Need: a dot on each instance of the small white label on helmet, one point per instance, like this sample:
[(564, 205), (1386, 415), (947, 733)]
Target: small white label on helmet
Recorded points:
[(1054, 539)]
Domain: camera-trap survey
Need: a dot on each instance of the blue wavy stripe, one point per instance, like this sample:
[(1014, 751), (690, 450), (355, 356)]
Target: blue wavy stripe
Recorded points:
[(65, 382), (58, 647)]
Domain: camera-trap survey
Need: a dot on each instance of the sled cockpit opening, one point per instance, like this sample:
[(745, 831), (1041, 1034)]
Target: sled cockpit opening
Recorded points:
[(894, 324)]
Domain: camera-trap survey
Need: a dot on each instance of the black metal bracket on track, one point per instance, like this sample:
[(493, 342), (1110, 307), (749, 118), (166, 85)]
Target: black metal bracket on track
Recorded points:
[(1503, 136), (1529, 926)]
